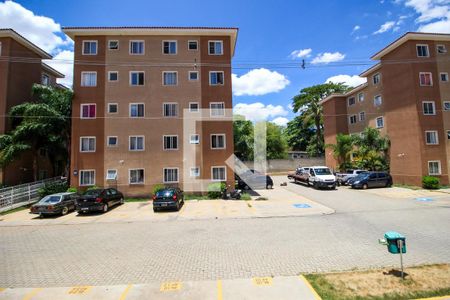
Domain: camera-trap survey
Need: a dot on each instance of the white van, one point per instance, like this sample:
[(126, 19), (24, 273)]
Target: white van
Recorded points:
[(321, 177)]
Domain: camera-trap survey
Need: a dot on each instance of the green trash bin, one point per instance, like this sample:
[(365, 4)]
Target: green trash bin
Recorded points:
[(392, 239)]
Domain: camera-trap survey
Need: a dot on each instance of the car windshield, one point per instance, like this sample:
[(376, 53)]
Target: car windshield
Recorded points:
[(322, 171), (50, 199), (92, 192), (362, 176), (164, 193)]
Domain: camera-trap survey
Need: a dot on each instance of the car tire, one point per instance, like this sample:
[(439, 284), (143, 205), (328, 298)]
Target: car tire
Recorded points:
[(316, 185), (105, 208), (365, 186), (307, 183), (122, 201), (155, 209), (64, 211), (178, 206)]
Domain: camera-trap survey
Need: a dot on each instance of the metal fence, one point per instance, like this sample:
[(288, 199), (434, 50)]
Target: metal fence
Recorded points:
[(23, 194)]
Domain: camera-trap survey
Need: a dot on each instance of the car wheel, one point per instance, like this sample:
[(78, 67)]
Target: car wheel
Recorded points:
[(307, 183), (365, 186), (155, 209), (122, 201), (316, 185), (178, 206), (105, 207), (65, 211)]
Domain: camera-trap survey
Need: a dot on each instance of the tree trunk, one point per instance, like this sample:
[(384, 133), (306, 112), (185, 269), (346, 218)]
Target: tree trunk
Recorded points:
[(35, 166), (318, 134)]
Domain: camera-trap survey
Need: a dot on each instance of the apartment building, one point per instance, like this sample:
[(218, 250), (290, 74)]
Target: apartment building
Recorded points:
[(21, 66), (407, 97), (134, 89)]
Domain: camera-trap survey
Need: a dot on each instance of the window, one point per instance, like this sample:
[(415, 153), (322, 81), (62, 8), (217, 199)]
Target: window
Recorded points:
[(217, 141), (429, 108), (193, 75), (194, 139), (193, 45), (216, 78), (113, 76), (380, 122), (137, 47), (170, 78), (217, 109), (195, 172), (89, 47), (362, 116), (193, 106), (444, 77), (113, 45), (111, 174), (137, 78), (87, 144), (170, 109), (448, 134), (352, 119), (431, 137), (87, 177), (434, 167), (170, 175), (446, 105), (88, 78), (136, 176), (376, 78), (170, 142), (361, 97), (137, 110), (218, 174), (136, 143), (45, 80), (113, 108), (422, 51), (441, 49), (377, 100), (170, 47), (112, 141), (88, 111), (425, 79), (215, 47), (351, 101)]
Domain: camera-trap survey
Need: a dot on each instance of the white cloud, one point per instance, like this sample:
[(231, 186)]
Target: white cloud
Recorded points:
[(280, 121), (352, 81), (434, 15), (258, 82), (356, 28), (63, 62), (258, 111), (385, 27), (327, 57), (301, 53)]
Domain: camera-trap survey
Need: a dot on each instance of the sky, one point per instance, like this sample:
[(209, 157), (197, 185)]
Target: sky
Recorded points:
[(334, 38)]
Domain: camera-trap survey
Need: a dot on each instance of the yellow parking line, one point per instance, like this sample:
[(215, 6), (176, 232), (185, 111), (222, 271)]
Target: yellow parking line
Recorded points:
[(316, 296), (219, 290), (32, 293), (170, 286), (125, 292), (262, 281), (77, 290), (2, 289)]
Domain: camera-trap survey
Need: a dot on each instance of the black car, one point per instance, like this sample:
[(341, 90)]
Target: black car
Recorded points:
[(99, 200), (168, 198), (371, 180), (55, 204), (253, 179)]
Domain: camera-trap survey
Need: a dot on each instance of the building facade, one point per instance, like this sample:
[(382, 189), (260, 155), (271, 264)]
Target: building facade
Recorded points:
[(407, 97), (21, 67), (134, 87)]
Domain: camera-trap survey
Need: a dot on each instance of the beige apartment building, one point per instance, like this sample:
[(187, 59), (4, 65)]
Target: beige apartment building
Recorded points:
[(134, 88), (407, 97)]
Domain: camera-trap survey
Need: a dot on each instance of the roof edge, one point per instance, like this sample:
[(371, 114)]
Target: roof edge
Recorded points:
[(52, 70), (9, 32)]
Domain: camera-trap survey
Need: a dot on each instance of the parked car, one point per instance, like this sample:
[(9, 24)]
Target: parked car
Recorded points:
[(300, 175), (99, 200), (168, 198), (372, 179), (342, 178), (321, 177), (55, 204), (253, 179)]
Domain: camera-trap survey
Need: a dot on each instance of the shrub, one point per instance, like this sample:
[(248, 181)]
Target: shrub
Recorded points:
[(157, 188), (72, 190), (246, 196), (52, 188), (94, 187), (215, 189), (430, 182)]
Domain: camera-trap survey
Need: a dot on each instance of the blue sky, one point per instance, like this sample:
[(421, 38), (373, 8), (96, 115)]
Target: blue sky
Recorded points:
[(269, 31)]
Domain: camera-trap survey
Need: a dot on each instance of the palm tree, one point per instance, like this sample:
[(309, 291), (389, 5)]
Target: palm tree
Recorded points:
[(372, 150), (342, 150)]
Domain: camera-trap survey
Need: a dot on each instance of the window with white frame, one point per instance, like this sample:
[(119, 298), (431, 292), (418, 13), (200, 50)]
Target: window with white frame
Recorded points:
[(429, 108), (218, 141), (45, 79), (441, 49), (215, 47), (87, 177), (137, 78), (379, 122), (88, 111), (194, 139), (352, 119), (425, 79), (170, 78), (89, 47), (361, 97), (218, 174), (136, 143), (170, 47), (216, 78), (377, 100), (431, 137), (217, 109), (446, 105), (136, 176), (193, 75), (170, 142), (193, 45), (170, 109), (434, 167), (376, 79), (87, 144), (444, 77), (195, 172), (112, 141), (113, 108), (137, 47), (170, 175), (422, 51), (111, 174), (88, 79), (193, 107), (137, 110), (362, 116), (113, 45), (113, 76), (351, 101)]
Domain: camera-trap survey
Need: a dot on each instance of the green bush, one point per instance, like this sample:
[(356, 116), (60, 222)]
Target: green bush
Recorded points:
[(52, 188), (72, 190), (94, 187), (157, 188), (215, 189), (246, 196), (430, 182)]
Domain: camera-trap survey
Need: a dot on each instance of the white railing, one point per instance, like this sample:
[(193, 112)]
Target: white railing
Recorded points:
[(23, 194)]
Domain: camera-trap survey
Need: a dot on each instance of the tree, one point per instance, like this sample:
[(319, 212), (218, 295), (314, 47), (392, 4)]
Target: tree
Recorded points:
[(276, 144), (372, 150), (342, 150), (243, 138), (307, 103), (298, 134)]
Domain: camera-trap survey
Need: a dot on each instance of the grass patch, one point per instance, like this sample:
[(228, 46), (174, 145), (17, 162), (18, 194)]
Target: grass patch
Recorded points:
[(137, 199), (246, 197), (420, 282), (407, 186), (188, 197), (14, 210)]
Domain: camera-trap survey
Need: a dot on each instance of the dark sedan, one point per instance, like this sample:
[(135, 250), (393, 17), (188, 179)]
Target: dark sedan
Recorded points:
[(55, 204), (168, 198), (372, 180), (253, 180), (99, 200)]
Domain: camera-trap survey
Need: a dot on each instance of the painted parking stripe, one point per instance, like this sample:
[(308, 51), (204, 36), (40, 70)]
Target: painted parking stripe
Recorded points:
[(33, 293), (262, 281), (219, 290), (170, 286), (313, 291), (125, 292), (79, 290)]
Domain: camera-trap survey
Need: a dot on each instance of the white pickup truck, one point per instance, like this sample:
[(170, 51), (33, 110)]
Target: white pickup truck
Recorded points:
[(342, 178), (321, 177)]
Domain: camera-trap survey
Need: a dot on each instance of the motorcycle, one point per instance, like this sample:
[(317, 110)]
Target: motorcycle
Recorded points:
[(233, 195)]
